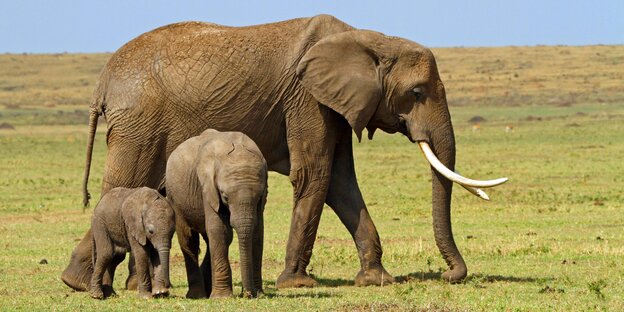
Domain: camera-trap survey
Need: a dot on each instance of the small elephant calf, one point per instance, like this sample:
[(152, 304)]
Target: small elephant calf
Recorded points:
[(218, 181), (137, 220)]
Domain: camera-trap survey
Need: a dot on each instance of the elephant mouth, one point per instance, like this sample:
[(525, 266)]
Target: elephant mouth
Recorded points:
[(403, 128), (473, 186)]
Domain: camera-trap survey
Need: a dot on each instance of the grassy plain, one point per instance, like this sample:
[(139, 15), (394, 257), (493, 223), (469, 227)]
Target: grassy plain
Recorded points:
[(551, 239)]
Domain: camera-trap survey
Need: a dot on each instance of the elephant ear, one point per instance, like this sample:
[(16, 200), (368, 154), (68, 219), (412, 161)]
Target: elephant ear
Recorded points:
[(133, 209), (341, 72), (263, 200), (206, 175)]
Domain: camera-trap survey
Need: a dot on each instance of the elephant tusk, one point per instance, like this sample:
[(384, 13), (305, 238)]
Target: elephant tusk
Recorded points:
[(435, 163), (476, 191)]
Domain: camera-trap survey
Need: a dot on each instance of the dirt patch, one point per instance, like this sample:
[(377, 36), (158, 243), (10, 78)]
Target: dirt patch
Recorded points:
[(477, 119), (533, 118), (12, 106), (559, 102), (6, 126)]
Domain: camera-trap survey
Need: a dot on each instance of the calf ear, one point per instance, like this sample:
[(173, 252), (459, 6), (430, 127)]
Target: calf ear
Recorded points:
[(133, 209), (341, 72), (263, 201)]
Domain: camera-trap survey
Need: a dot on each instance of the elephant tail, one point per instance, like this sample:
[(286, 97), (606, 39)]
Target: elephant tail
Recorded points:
[(94, 114)]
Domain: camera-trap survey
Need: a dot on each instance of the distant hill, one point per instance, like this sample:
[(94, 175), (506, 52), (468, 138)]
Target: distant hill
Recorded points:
[(541, 75)]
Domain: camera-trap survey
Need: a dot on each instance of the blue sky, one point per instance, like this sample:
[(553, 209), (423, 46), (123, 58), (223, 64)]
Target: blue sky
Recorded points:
[(103, 26)]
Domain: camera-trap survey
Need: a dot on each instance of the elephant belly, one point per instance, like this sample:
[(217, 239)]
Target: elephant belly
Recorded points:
[(268, 133)]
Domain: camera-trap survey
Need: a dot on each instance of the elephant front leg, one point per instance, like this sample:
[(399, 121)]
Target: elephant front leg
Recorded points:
[(345, 198), (219, 239), (142, 263)]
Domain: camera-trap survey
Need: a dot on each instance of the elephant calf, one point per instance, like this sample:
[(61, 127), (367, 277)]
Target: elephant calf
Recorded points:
[(137, 220), (218, 181)]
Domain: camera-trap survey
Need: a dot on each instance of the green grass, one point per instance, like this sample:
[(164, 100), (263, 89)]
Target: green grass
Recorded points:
[(551, 238)]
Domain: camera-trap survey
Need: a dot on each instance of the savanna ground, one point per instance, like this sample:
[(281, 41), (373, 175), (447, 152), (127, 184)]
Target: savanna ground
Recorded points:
[(552, 238)]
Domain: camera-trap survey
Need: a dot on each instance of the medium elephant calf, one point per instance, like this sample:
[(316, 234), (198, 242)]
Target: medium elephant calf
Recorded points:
[(140, 221), (218, 181)]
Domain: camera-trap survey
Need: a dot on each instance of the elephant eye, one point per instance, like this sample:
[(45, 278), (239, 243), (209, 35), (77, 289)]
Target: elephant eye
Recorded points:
[(418, 93)]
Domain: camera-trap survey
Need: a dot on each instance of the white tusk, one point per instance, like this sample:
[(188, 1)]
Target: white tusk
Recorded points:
[(435, 163), (477, 191)]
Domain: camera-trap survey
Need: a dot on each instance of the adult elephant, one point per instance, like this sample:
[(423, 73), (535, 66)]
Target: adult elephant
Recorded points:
[(297, 88)]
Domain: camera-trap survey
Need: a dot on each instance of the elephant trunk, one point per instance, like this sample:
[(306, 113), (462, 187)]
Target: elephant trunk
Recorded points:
[(443, 144), (244, 229), (161, 274)]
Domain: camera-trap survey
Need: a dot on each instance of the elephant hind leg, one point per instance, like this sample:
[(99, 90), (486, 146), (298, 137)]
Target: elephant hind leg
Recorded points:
[(345, 198), (109, 275), (189, 243), (103, 258), (134, 164), (77, 274), (206, 269)]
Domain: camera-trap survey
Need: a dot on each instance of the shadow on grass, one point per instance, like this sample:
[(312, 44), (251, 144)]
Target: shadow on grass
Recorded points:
[(322, 282), (315, 294), (476, 277), (333, 282)]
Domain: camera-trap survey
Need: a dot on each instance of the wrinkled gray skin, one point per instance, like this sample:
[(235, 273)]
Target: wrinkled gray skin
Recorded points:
[(218, 181), (139, 221), (298, 88)]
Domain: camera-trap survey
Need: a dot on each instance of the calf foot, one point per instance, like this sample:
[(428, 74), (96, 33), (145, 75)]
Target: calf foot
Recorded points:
[(373, 276), (96, 292), (294, 280)]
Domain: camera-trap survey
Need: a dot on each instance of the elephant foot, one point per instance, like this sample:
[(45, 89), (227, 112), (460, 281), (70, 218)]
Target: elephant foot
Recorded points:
[(77, 274), (455, 275), (216, 294), (73, 282), (294, 280), (132, 282), (145, 294), (108, 291), (96, 293), (196, 293), (160, 292), (373, 276)]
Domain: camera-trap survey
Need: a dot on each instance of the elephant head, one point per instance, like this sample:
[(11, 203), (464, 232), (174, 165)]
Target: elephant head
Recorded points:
[(240, 186), (380, 82), (150, 220)]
